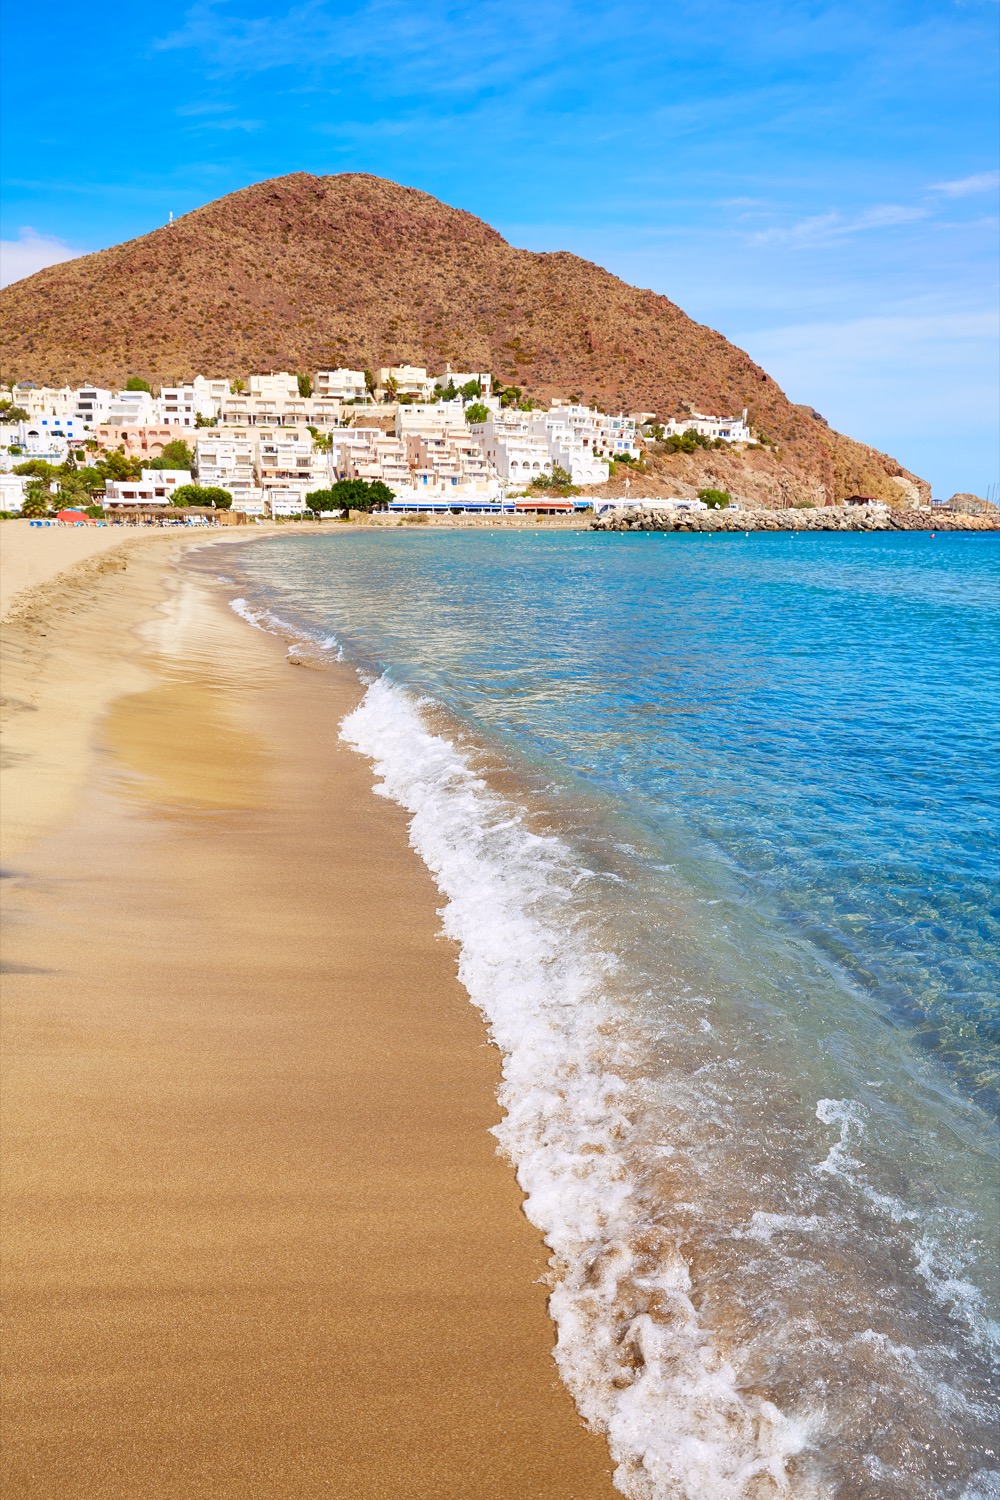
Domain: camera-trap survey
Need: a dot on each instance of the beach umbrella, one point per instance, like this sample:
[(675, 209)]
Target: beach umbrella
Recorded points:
[(75, 517)]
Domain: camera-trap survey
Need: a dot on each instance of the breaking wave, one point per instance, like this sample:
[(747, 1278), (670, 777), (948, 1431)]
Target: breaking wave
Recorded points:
[(638, 1360)]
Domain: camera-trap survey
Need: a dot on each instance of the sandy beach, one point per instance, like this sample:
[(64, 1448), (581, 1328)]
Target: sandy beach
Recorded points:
[(257, 1241)]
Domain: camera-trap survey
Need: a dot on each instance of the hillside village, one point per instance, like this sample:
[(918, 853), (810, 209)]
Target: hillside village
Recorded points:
[(273, 443)]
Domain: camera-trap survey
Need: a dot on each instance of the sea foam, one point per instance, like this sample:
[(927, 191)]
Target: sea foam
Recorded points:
[(640, 1364)]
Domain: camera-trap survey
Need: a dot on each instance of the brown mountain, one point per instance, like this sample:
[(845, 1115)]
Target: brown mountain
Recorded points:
[(304, 273)]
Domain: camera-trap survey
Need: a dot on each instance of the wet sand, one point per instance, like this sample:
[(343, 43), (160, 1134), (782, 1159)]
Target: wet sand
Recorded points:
[(257, 1239)]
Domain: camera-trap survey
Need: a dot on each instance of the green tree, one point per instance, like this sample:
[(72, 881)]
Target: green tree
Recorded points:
[(715, 499), (305, 385), (511, 395), (450, 391), (237, 386), (36, 501), (200, 494), (318, 500), (323, 440), (176, 455), (11, 413), (95, 511), (558, 480), (136, 383), (686, 442), (391, 388), (118, 465), (470, 391), (477, 412), (200, 421), (379, 495), (370, 385), (351, 494), (37, 468)]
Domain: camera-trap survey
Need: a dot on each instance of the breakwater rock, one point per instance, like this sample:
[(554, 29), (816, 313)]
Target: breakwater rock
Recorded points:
[(820, 518)]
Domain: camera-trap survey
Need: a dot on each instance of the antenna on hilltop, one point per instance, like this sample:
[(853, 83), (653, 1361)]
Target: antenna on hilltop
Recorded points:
[(170, 220)]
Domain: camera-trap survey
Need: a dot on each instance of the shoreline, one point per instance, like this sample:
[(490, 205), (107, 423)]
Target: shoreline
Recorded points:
[(259, 1240)]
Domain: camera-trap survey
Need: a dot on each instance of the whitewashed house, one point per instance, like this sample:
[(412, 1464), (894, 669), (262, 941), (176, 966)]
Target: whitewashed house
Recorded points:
[(523, 446), (229, 461), (12, 488), (411, 380), (274, 385), (132, 409), (459, 378), (153, 487), (92, 405), (729, 429), (340, 385)]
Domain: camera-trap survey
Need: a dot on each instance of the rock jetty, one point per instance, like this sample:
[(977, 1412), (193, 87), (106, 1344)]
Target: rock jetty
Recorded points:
[(819, 518)]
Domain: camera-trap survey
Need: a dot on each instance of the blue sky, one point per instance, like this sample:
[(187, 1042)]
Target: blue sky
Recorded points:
[(816, 180)]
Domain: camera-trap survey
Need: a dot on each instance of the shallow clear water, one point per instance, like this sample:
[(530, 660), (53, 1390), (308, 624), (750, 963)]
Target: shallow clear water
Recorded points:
[(715, 820)]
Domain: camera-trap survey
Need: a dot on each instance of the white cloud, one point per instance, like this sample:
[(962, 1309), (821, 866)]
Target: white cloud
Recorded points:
[(982, 182), (820, 229), (31, 252)]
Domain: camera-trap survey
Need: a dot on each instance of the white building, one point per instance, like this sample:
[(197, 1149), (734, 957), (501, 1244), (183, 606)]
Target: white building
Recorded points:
[(12, 488), (430, 417), (604, 435), (452, 465), (229, 460), (92, 405), (42, 400), (517, 454), (340, 385), (522, 446), (87, 406), (154, 487), (286, 456), (208, 394), (72, 429), (182, 405), (249, 500), (32, 442), (729, 429), (411, 380), (274, 385), (280, 411), (324, 412), (459, 378), (285, 499), (132, 409), (370, 454)]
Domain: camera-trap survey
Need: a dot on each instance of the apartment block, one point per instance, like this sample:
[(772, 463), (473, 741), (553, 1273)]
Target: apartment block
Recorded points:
[(411, 380), (154, 487), (274, 386), (226, 460), (340, 385), (132, 409), (729, 429)]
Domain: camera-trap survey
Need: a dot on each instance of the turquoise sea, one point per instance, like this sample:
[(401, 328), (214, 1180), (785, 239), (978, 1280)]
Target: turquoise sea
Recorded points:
[(714, 821)]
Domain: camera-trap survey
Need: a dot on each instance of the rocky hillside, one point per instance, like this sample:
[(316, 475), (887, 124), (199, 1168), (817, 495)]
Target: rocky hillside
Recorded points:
[(304, 273)]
